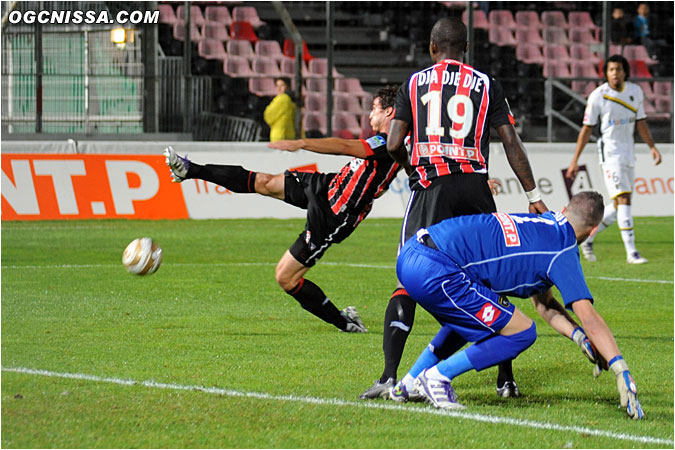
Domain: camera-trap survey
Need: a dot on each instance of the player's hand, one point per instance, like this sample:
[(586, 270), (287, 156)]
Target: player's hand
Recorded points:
[(494, 184), (627, 389), (287, 145), (656, 156), (572, 171), (538, 207), (580, 338)]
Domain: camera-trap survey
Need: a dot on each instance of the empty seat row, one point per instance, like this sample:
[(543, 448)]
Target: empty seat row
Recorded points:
[(345, 125), (243, 67), (219, 14), (214, 30), (505, 36), (530, 19)]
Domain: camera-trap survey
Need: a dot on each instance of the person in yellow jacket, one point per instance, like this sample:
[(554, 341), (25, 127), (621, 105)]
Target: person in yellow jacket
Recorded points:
[(280, 113)]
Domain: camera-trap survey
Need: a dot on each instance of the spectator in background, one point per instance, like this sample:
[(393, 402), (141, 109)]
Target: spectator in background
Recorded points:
[(280, 113), (619, 28), (642, 33)]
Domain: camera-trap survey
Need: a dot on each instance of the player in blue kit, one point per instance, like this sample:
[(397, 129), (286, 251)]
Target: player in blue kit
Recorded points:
[(461, 270)]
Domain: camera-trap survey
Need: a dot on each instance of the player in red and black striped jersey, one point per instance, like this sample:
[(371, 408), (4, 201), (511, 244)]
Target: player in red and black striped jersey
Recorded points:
[(335, 202), (448, 110)]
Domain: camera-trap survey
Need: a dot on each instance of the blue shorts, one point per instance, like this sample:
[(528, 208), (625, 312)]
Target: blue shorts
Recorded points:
[(441, 287)]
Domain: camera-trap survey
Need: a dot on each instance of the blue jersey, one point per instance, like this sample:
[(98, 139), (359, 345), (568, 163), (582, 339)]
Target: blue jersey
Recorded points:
[(515, 254)]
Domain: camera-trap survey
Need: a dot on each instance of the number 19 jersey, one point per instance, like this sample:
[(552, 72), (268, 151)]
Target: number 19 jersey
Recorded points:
[(449, 107)]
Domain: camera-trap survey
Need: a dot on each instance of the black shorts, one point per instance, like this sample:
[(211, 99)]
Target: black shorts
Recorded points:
[(453, 195), (309, 190)]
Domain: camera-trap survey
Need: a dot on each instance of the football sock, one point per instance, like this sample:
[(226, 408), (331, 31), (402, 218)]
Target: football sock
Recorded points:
[(235, 178), (398, 321), (408, 381), (455, 365), (498, 348), (424, 361), (505, 372), (607, 219), (625, 221), (311, 298)]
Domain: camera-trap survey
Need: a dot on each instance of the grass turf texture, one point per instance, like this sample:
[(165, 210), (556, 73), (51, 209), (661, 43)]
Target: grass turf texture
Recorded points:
[(213, 316)]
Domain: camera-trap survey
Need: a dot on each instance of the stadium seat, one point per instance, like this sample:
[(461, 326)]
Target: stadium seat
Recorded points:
[(247, 14), (287, 66), (166, 14), (289, 50), (654, 113), (314, 121), (584, 87), (243, 31), (238, 47), (664, 104), (528, 19), (479, 19), (502, 37), (583, 52), (315, 102), (556, 69), (216, 30), (262, 86), (557, 53), (555, 36), (531, 36), (582, 36), (582, 19), (265, 67), (179, 32), (237, 67), (663, 88), (218, 14), (196, 16), (554, 19), (647, 89), (639, 69), (638, 52), (345, 102), (353, 86), (316, 85), (346, 121), (501, 18), (318, 68), (529, 53), (211, 49), (584, 69), (269, 49)]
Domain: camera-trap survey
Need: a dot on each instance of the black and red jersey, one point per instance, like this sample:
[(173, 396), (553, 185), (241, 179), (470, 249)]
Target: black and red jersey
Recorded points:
[(450, 107), (361, 181)]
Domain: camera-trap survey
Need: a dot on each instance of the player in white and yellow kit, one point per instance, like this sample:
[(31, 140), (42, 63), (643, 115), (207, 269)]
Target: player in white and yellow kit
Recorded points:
[(617, 106)]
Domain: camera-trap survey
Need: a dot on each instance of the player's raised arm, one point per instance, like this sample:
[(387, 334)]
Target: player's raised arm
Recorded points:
[(331, 146), (515, 153)]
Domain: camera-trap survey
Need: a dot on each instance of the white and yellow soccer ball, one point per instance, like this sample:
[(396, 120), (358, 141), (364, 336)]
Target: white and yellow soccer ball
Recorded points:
[(142, 256)]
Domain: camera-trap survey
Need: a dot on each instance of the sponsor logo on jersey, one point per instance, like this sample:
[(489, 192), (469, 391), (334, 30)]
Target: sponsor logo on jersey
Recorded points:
[(427, 149), (511, 238), (488, 314), (376, 141), (504, 302)]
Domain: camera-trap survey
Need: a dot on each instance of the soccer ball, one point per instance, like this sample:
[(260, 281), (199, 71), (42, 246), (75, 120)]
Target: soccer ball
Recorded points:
[(142, 256)]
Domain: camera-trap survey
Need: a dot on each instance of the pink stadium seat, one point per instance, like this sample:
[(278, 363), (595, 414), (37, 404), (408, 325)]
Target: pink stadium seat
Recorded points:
[(353, 86), (657, 114), (345, 102), (287, 67), (179, 32), (582, 52), (584, 69), (238, 47), (263, 87), (237, 67), (211, 49), (196, 16), (247, 14), (638, 52), (529, 53), (557, 53), (216, 30), (647, 90), (502, 37), (528, 19), (501, 18), (318, 68), (218, 14), (243, 31), (554, 19), (269, 49), (346, 121), (316, 85), (582, 19), (266, 67), (664, 104), (584, 87), (582, 36), (531, 36), (315, 102), (556, 69), (314, 121), (479, 19), (166, 14), (555, 36), (663, 88), (615, 49)]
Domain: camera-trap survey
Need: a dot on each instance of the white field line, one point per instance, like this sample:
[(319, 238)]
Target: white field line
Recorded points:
[(337, 402), (263, 264)]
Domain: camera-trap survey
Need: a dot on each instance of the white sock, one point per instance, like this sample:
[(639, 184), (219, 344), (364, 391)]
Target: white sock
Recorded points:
[(607, 219), (625, 221), (434, 374), (408, 381)]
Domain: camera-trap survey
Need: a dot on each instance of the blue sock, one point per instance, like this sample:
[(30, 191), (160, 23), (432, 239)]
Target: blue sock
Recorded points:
[(426, 359), (500, 348), (455, 365)]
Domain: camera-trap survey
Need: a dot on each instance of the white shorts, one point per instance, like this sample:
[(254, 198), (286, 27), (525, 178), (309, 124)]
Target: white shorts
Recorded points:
[(619, 178)]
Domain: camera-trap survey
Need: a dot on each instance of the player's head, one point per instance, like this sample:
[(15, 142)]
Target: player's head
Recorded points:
[(383, 108), (584, 212), (617, 71), (448, 39)]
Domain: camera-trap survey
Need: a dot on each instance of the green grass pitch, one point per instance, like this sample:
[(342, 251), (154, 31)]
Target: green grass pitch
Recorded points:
[(210, 352)]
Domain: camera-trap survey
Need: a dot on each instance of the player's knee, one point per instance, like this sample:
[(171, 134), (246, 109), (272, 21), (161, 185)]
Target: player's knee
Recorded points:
[(262, 181), (523, 340)]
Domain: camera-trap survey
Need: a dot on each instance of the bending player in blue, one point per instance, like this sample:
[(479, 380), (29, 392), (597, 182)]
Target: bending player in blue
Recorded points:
[(460, 271)]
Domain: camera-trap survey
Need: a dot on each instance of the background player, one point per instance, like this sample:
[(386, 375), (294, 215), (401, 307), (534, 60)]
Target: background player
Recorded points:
[(617, 106), (449, 107), (335, 202), (448, 267)]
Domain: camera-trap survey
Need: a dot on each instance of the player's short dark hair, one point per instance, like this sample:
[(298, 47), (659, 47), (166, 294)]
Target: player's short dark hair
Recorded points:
[(387, 96), (617, 59), (449, 33), (589, 206)]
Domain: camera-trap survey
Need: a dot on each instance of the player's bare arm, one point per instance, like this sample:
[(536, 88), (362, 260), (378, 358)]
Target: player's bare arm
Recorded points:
[(582, 140), (554, 313), (330, 146), (515, 153), (397, 133), (646, 136)]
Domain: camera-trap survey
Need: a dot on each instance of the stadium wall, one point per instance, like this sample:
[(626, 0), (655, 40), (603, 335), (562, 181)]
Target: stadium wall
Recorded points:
[(60, 180)]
